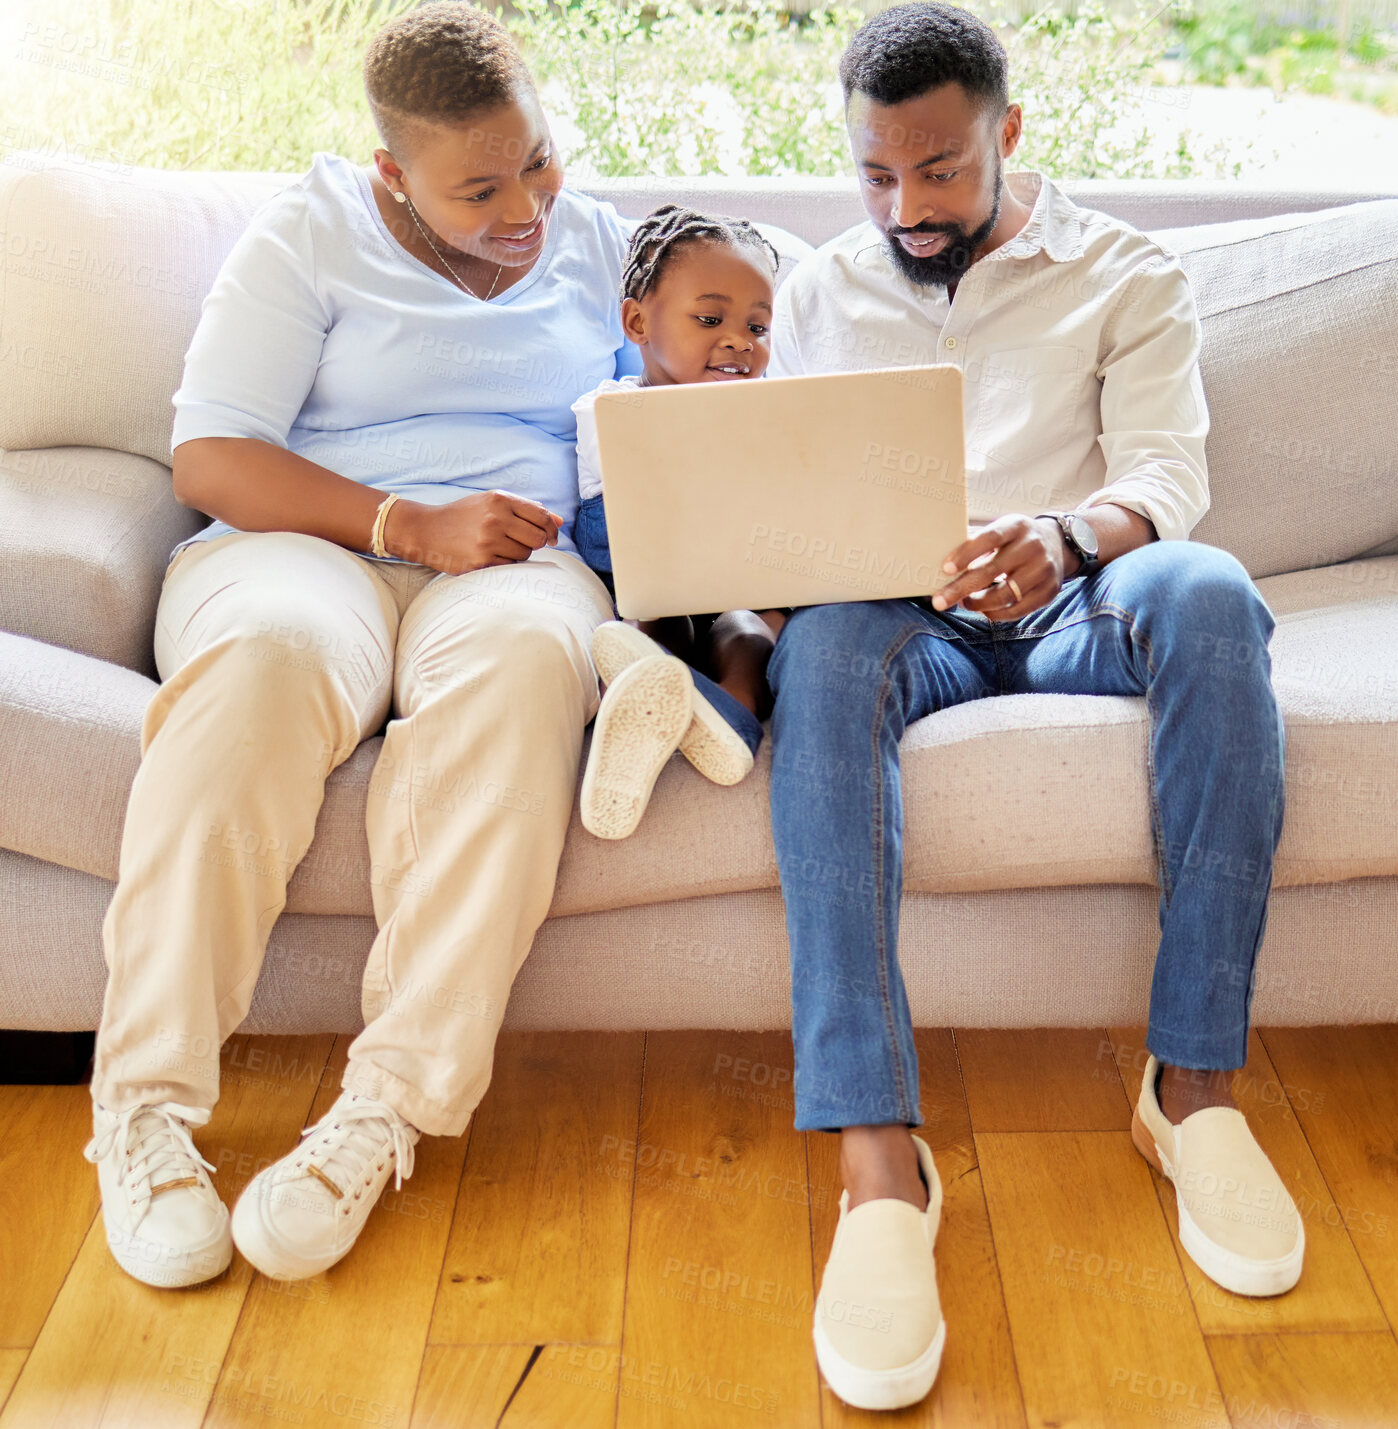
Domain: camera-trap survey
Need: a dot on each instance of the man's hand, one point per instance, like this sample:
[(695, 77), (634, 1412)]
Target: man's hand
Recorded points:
[(489, 528), (1031, 551)]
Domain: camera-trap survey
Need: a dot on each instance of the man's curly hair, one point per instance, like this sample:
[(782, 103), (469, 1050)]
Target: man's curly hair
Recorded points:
[(902, 52), (443, 63)]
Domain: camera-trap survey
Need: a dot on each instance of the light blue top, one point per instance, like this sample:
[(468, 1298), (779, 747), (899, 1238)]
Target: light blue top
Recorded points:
[(323, 335)]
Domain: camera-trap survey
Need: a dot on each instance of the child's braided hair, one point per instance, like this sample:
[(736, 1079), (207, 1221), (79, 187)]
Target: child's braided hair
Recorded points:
[(672, 227)]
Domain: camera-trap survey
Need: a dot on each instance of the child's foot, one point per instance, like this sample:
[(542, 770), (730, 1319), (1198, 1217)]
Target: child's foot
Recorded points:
[(710, 743), (642, 717)]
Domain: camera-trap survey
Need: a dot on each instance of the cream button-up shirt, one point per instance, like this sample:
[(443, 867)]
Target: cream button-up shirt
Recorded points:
[(1078, 344)]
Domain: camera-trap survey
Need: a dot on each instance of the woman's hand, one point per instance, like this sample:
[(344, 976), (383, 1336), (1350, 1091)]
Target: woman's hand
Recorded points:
[(487, 528)]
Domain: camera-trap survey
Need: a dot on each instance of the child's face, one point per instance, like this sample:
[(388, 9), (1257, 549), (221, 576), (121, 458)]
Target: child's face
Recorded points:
[(708, 319)]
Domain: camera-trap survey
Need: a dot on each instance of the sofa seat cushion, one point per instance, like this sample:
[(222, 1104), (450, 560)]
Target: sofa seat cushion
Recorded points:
[(1335, 668), (85, 535)]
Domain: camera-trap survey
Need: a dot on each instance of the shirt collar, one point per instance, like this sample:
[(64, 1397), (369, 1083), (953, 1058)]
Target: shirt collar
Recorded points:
[(1055, 224)]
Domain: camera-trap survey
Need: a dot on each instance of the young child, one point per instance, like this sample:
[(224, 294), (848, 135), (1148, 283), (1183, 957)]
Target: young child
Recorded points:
[(696, 298)]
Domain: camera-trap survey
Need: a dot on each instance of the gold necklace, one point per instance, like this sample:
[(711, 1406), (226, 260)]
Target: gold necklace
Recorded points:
[(412, 209)]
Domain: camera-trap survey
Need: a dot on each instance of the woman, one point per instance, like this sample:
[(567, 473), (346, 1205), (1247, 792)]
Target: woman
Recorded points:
[(376, 406)]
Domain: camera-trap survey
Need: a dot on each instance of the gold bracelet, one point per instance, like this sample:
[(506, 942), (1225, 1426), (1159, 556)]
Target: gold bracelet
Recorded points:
[(376, 544)]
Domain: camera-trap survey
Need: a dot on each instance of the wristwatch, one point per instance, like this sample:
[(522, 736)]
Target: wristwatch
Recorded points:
[(1079, 537)]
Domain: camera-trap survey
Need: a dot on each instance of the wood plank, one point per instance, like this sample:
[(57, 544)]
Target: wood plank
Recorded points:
[(11, 1362), (348, 1344), (1042, 1079), (1097, 1309), (533, 1386), (116, 1352), (537, 1250), (1100, 1336), (977, 1383), (1308, 1381), (1350, 1116), (1333, 1293), (37, 1251), (718, 1288)]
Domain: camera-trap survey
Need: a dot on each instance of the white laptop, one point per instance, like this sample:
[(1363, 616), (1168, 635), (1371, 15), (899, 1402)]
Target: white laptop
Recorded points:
[(783, 491)]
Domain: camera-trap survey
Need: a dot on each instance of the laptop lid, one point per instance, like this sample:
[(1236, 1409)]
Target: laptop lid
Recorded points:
[(781, 491)]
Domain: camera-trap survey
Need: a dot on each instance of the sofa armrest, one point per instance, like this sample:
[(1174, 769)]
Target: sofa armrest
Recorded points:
[(85, 535), (71, 745)]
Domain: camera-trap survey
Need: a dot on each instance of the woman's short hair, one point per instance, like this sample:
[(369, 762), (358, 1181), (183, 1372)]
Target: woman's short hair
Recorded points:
[(906, 50), (673, 227), (443, 63)]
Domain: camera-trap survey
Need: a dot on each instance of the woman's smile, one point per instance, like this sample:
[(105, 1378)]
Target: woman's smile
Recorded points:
[(526, 240)]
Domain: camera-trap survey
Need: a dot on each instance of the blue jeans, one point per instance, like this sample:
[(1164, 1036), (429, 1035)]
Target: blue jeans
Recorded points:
[(594, 546), (1175, 621), (591, 538)]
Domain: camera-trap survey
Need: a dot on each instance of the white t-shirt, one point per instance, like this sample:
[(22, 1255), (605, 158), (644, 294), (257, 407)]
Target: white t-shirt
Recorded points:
[(589, 458)]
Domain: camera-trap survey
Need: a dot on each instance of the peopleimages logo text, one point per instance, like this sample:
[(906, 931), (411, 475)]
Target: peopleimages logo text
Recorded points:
[(830, 551)]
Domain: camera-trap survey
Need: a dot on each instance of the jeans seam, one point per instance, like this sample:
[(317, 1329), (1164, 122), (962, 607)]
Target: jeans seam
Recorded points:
[(1067, 624), (1157, 823), (1138, 636), (899, 643), (997, 645)]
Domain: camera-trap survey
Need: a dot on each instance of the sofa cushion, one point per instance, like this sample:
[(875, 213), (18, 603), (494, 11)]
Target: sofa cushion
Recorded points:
[(85, 534), (105, 271), (1335, 668), (1007, 958), (1300, 369), (96, 318)]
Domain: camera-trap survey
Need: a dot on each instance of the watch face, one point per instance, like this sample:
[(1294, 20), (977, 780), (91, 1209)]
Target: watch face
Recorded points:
[(1084, 535)]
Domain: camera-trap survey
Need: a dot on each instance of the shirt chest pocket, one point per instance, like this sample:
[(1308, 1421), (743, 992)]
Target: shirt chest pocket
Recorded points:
[(1021, 403)]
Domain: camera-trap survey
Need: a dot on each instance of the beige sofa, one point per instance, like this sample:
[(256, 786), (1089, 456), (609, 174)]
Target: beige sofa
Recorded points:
[(682, 925)]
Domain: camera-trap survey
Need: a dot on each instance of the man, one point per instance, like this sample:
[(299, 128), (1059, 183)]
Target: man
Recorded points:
[(1085, 422)]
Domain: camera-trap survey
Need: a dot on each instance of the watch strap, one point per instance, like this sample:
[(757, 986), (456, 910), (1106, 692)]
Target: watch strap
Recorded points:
[(1087, 565)]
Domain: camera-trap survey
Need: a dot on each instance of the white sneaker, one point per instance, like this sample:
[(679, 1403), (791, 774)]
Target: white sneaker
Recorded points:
[(710, 743), (301, 1215), (165, 1223)]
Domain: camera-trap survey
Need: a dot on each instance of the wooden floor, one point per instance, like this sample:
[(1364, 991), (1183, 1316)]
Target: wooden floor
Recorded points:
[(631, 1232)]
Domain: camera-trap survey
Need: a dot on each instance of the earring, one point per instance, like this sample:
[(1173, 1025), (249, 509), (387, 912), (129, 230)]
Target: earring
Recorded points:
[(400, 196)]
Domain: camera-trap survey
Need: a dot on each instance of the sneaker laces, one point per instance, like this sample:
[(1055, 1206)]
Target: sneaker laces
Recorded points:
[(152, 1140), (346, 1137)]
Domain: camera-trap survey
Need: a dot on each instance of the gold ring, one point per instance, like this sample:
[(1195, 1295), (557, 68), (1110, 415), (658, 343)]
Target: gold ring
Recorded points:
[(1019, 594)]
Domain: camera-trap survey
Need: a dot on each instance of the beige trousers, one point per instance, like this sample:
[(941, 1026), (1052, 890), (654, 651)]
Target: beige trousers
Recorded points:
[(279, 652)]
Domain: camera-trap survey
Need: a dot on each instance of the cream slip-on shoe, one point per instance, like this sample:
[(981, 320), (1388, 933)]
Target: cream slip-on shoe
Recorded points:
[(710, 743), (638, 727), (879, 1331), (1238, 1224)]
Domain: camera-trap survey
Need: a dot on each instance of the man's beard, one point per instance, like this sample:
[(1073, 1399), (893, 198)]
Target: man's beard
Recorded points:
[(949, 266)]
